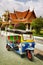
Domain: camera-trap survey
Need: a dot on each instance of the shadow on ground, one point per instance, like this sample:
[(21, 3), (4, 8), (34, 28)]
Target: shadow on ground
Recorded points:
[(39, 56)]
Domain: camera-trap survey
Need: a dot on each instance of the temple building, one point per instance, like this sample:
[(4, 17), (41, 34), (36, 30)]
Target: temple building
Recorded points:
[(25, 17)]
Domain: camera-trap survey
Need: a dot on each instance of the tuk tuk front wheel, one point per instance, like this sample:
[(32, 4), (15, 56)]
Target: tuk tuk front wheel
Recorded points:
[(29, 55), (22, 56)]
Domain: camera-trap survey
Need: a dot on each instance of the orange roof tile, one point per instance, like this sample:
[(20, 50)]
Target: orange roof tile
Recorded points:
[(23, 17), (12, 15), (21, 14)]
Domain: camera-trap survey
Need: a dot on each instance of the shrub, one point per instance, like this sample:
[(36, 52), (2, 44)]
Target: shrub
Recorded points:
[(37, 24), (20, 26)]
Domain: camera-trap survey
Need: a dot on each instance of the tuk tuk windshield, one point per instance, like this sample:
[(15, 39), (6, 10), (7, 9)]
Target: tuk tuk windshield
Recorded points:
[(28, 36)]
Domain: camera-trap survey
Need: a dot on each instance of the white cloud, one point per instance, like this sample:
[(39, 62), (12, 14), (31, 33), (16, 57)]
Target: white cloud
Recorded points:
[(37, 5), (10, 4)]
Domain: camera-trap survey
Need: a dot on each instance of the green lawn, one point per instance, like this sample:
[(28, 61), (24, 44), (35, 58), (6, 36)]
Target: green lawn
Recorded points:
[(41, 33)]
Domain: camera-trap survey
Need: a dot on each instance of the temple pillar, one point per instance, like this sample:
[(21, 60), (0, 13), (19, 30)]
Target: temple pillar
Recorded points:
[(30, 27), (27, 27)]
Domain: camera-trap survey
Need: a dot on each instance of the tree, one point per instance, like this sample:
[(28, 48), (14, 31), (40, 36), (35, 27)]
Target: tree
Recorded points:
[(37, 24), (20, 26), (0, 24), (11, 26), (0, 19), (6, 15)]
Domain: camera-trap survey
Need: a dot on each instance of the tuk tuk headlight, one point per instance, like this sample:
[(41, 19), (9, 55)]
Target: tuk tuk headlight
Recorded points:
[(30, 44)]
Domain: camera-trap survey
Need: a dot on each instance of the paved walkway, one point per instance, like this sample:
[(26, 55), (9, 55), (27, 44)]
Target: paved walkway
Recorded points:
[(11, 58)]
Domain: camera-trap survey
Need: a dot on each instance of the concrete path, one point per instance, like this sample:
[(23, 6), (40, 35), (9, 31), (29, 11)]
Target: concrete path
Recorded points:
[(11, 58)]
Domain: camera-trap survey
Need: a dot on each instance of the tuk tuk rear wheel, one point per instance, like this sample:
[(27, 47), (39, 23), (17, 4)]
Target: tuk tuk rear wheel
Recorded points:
[(8, 47), (29, 55)]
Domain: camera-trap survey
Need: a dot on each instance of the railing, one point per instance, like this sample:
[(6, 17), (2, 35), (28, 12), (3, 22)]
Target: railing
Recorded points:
[(38, 39)]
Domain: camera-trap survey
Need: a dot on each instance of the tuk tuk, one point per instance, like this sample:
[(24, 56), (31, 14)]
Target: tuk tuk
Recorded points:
[(22, 42)]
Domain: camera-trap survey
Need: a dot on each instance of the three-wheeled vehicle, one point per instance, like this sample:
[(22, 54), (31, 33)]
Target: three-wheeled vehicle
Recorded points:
[(21, 42)]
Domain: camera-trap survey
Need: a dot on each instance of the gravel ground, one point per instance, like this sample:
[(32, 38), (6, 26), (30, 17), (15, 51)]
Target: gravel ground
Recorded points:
[(11, 58)]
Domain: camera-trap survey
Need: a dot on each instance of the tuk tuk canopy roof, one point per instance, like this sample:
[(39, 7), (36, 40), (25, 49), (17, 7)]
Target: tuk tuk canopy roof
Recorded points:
[(19, 31)]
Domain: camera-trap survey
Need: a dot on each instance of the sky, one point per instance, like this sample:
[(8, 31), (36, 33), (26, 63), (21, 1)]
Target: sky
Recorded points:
[(22, 5)]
